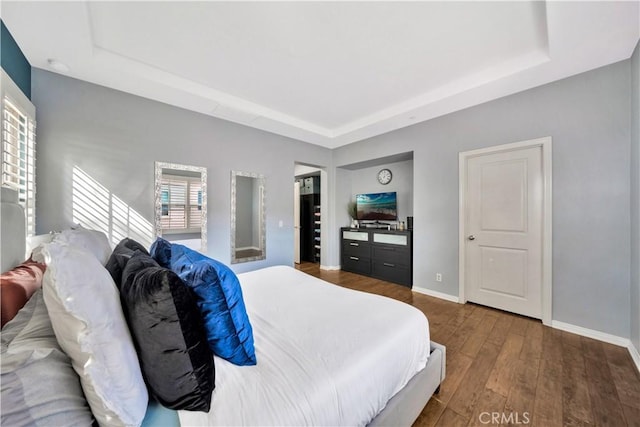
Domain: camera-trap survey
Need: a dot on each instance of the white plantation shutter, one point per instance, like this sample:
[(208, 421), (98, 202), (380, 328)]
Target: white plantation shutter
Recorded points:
[(19, 148), (195, 204), (181, 204)]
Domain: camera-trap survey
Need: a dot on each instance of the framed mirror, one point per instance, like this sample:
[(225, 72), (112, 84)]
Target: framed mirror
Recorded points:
[(181, 204), (248, 234)]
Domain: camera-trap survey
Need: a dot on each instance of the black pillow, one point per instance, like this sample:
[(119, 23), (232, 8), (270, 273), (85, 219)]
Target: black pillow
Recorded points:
[(169, 335), (119, 257)]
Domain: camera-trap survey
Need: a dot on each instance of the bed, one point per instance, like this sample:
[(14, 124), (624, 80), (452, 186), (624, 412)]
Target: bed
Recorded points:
[(326, 355)]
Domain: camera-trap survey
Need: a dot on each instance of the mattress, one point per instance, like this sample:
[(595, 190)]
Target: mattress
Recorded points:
[(326, 355)]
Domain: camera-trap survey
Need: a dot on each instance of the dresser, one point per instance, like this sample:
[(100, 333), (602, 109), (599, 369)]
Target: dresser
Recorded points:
[(378, 253)]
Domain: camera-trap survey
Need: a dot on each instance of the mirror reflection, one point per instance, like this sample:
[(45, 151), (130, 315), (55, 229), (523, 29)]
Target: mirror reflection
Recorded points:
[(248, 237), (181, 204)]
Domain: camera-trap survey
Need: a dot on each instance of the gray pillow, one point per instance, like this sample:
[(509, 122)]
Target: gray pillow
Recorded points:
[(38, 383)]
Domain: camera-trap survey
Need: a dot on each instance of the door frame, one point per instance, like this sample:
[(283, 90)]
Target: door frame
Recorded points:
[(547, 279), (296, 222), (324, 210)]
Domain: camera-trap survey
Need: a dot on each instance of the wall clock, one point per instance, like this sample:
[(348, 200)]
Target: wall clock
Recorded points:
[(384, 176)]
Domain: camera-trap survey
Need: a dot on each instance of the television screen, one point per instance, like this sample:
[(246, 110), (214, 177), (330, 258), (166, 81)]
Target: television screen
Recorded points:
[(377, 206)]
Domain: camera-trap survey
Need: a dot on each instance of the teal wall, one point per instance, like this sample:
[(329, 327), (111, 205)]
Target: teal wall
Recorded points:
[(14, 62)]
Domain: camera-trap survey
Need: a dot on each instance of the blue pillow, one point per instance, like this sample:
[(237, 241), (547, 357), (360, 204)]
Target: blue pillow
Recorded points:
[(158, 415), (161, 251), (219, 298)]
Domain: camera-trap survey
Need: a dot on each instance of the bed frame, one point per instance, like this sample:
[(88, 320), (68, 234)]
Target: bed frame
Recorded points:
[(402, 410), (405, 407)]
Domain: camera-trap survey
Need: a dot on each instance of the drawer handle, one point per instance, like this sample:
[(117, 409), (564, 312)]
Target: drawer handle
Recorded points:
[(388, 264), (389, 249), (355, 258), (354, 244)]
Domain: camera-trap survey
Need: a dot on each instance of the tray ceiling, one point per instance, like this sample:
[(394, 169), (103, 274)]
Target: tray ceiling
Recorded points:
[(329, 73)]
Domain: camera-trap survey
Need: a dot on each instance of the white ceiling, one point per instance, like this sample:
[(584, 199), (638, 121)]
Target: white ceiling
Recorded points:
[(329, 73)]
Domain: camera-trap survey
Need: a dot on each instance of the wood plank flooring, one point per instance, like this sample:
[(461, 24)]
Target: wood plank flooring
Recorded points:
[(504, 369)]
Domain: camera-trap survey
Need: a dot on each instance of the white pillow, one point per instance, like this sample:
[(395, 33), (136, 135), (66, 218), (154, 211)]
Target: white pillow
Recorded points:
[(39, 385), (85, 311), (34, 246), (93, 241)]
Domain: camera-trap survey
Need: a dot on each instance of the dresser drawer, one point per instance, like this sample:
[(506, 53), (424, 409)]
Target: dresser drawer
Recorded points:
[(356, 264), (361, 236), (358, 249), (391, 272), (401, 240), (383, 254), (391, 254)]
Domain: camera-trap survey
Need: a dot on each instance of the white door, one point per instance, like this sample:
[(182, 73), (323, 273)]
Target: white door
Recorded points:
[(296, 222), (503, 230)]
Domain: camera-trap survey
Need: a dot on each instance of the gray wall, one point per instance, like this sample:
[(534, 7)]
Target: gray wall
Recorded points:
[(635, 198), (115, 138), (588, 118), (366, 181)]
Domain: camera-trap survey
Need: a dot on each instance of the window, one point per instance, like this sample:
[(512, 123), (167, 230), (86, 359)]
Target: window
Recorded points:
[(181, 199), (19, 148)]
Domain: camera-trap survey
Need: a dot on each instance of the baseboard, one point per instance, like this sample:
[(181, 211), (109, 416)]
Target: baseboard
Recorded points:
[(601, 336), (635, 355), (590, 333), (435, 294), (329, 267)]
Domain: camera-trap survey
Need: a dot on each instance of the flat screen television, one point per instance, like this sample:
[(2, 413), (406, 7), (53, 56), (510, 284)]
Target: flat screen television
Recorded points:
[(377, 206)]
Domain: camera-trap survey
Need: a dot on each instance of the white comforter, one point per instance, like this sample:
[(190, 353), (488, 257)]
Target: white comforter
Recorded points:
[(326, 355)]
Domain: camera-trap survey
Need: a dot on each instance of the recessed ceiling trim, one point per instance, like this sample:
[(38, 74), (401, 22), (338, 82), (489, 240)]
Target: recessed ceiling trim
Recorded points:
[(453, 88), (140, 70), (562, 39), (223, 105)]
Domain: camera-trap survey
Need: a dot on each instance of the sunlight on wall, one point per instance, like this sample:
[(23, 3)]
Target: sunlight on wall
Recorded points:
[(95, 207)]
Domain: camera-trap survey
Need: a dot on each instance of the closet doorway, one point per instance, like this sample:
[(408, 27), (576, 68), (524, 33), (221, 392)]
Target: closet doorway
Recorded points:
[(308, 214)]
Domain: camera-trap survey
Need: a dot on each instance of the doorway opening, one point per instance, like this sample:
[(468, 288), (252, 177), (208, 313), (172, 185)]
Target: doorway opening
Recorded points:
[(308, 214)]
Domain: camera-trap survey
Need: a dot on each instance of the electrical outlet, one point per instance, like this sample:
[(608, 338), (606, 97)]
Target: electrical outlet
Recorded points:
[(438, 277)]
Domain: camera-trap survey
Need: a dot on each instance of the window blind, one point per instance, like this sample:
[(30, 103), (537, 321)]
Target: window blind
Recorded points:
[(19, 157), (181, 204), (195, 204)]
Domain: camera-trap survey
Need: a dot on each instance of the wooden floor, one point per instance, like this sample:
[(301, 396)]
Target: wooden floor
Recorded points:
[(511, 370)]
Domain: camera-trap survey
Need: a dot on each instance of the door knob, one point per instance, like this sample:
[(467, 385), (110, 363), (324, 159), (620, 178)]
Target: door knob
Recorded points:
[(471, 237)]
